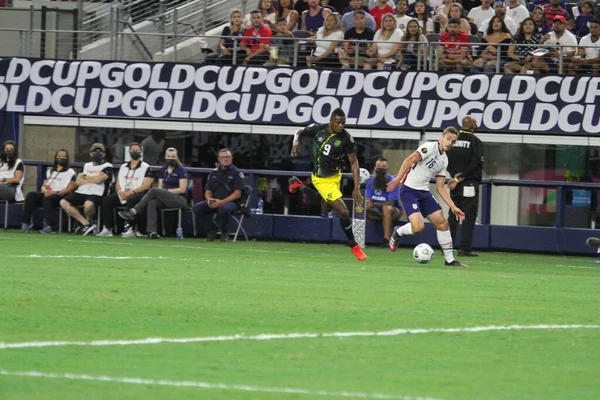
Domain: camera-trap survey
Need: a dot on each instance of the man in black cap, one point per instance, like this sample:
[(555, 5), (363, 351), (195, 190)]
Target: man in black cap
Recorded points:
[(93, 184), (465, 165)]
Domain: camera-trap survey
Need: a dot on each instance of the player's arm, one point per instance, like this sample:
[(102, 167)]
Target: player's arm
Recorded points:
[(440, 187), (406, 165), (296, 142)]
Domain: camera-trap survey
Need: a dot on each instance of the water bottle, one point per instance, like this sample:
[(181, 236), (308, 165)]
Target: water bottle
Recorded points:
[(179, 233), (260, 206)]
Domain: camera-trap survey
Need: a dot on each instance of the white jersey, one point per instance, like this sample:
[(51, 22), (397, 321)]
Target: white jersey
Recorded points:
[(9, 173), (96, 189), (59, 180), (131, 179), (433, 163)]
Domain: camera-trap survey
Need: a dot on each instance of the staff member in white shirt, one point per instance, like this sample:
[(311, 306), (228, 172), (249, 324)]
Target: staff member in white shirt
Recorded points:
[(135, 178), (59, 182), (93, 183), (11, 173)]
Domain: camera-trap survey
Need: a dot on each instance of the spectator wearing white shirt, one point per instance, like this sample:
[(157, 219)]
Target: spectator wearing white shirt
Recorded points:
[(423, 17), (560, 37), (500, 10), (517, 11), (12, 173), (327, 43), (389, 38), (401, 18), (588, 54), (479, 14)]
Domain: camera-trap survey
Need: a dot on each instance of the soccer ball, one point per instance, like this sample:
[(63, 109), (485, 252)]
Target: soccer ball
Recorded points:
[(423, 253), (364, 176)]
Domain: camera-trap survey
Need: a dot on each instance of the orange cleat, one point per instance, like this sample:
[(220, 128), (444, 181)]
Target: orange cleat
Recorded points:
[(456, 263), (359, 253), (295, 183)]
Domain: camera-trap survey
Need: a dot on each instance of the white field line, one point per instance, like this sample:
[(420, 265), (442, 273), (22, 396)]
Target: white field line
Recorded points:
[(179, 246), (206, 385), (282, 336), (104, 257)]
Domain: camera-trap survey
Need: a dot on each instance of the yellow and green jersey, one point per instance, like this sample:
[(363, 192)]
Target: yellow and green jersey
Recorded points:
[(329, 149)]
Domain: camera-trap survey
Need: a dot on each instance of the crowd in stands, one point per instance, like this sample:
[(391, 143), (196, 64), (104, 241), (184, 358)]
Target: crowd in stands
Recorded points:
[(395, 34)]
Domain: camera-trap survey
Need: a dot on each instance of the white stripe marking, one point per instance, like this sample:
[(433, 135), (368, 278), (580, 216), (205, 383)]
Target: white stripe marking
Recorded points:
[(137, 244), (206, 385), (277, 336), (104, 257)]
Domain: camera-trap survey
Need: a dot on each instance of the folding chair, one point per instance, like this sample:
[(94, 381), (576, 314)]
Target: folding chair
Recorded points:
[(241, 212), (189, 192)]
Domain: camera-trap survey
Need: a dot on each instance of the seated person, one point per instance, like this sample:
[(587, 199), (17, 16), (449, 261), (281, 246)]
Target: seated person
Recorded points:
[(133, 181), (348, 20), (59, 182), (281, 50), (412, 48), (539, 17), (521, 55), (170, 193), (223, 188), (453, 52), (361, 32), (327, 42), (559, 36), (386, 44), (588, 55), (402, 17), (381, 204), (256, 40), (497, 33), (224, 54), (11, 173), (314, 18), (92, 184), (583, 20)]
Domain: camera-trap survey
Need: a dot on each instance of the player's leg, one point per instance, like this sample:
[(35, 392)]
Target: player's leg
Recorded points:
[(469, 206), (411, 200), (456, 196), (297, 185), (594, 242), (444, 237)]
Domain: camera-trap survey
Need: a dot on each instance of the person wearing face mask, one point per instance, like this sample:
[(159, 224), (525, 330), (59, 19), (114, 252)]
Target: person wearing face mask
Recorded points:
[(92, 184), (133, 181), (170, 193), (11, 173), (59, 182), (223, 188), (465, 165), (381, 204)]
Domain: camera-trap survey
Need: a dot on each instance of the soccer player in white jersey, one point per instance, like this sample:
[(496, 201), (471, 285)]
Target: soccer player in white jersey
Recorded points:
[(428, 161)]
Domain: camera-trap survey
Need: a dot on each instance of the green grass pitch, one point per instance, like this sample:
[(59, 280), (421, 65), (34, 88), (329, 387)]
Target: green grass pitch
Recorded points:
[(74, 289)]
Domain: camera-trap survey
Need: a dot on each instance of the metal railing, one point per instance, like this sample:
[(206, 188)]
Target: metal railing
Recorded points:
[(185, 43)]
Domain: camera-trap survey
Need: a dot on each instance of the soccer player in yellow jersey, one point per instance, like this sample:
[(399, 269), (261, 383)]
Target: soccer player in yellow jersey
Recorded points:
[(331, 143)]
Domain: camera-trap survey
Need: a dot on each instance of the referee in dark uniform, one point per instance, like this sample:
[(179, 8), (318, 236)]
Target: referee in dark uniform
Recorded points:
[(465, 165)]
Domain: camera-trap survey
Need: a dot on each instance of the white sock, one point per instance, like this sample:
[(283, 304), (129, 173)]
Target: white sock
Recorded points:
[(405, 230), (445, 241)]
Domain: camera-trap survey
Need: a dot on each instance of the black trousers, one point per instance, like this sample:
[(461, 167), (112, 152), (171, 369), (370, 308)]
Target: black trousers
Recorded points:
[(110, 202), (50, 204), (470, 206)]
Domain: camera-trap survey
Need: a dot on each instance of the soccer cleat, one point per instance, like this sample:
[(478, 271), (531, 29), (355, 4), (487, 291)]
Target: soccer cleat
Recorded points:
[(394, 240), (593, 242), (358, 253), (26, 227), (128, 214), (295, 184), (87, 229), (105, 233), (456, 263), (47, 231)]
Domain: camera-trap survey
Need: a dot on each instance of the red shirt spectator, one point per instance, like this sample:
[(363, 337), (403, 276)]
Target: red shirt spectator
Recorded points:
[(451, 48), (553, 10), (253, 38), (378, 13)]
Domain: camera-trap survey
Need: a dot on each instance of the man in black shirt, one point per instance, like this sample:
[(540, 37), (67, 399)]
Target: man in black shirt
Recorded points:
[(465, 165), (331, 144), (358, 32), (223, 188)]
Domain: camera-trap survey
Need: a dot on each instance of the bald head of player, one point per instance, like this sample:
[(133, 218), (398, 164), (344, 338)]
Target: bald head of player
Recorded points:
[(469, 123), (448, 138), (337, 121)]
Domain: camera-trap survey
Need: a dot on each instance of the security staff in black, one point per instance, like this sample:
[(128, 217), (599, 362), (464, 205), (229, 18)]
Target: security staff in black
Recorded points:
[(465, 165), (224, 187)]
